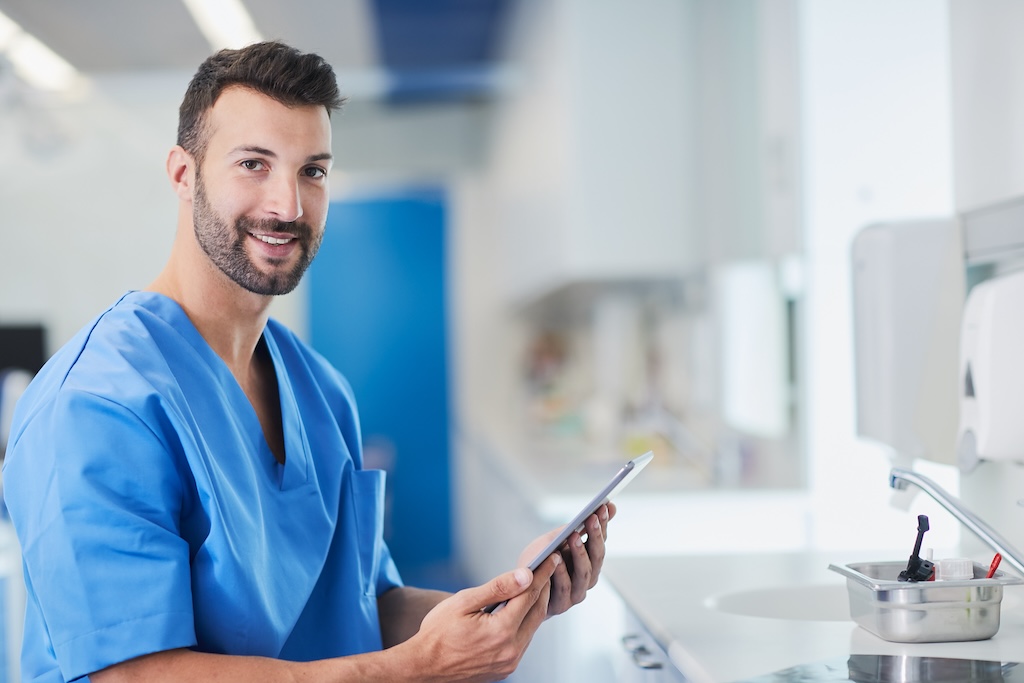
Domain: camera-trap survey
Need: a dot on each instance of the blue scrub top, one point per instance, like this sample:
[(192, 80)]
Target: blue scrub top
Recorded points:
[(152, 514)]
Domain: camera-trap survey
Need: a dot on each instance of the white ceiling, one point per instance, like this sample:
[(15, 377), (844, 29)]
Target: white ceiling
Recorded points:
[(105, 36)]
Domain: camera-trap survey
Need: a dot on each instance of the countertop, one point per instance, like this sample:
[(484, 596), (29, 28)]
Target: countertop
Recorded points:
[(683, 578), (694, 606)]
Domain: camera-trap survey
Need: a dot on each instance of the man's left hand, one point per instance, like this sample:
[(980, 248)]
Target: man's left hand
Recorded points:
[(582, 560)]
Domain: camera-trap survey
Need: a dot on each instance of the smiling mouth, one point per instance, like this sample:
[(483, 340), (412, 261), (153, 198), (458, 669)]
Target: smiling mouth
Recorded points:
[(273, 240)]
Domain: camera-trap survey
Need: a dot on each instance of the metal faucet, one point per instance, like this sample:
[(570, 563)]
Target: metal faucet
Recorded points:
[(900, 478)]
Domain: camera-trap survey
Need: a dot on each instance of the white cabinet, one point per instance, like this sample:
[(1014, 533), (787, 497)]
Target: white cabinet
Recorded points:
[(592, 155), (641, 140), (747, 122), (598, 641), (641, 659)]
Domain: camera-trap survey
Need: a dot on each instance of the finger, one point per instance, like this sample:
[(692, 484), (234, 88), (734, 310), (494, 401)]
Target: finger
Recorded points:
[(495, 592), (595, 550), (582, 567), (560, 599), (538, 612), (541, 608), (521, 604), (605, 513), (544, 572)]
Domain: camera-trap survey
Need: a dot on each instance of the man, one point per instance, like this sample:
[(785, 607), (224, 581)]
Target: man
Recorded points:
[(185, 476)]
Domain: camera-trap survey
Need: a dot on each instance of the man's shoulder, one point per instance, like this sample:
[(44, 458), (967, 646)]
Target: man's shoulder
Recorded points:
[(126, 344)]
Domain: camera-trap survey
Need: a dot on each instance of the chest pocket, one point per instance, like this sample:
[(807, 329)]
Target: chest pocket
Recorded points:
[(366, 516)]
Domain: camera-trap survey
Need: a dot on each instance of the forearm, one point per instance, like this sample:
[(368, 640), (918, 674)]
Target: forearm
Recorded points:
[(186, 666), (402, 610)]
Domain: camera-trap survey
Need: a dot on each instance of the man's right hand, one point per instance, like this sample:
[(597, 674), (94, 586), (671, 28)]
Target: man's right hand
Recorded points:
[(458, 641)]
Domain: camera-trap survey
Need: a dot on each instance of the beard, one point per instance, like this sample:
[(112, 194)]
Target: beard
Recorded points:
[(225, 246)]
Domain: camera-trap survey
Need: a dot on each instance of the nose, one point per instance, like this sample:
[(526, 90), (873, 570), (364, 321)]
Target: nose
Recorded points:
[(283, 200)]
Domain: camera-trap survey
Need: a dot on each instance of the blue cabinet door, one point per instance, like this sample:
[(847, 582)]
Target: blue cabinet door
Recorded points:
[(378, 313)]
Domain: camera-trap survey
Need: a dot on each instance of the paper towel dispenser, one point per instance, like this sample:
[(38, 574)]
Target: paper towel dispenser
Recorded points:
[(908, 295), (992, 372)]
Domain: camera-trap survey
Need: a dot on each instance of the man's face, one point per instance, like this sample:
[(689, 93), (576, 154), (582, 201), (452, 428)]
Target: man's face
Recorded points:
[(260, 200)]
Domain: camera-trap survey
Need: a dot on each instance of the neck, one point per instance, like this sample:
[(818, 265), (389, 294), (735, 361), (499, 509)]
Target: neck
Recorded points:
[(230, 318)]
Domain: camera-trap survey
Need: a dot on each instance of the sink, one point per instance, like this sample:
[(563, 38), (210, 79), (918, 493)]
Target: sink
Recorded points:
[(812, 602)]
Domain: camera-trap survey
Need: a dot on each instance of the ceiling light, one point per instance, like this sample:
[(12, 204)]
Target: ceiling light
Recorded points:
[(225, 23), (8, 30), (33, 61)]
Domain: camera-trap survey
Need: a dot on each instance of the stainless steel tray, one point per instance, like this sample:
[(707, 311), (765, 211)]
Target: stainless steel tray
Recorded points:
[(927, 611)]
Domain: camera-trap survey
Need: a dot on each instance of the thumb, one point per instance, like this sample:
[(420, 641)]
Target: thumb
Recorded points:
[(498, 590)]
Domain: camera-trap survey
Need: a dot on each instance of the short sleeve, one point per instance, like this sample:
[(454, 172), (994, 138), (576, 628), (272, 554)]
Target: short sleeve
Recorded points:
[(96, 497)]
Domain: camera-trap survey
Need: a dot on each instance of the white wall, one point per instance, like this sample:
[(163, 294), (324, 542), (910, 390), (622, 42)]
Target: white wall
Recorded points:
[(878, 146), (988, 68), (87, 210)]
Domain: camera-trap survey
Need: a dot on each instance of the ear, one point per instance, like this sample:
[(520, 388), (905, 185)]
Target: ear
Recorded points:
[(181, 172)]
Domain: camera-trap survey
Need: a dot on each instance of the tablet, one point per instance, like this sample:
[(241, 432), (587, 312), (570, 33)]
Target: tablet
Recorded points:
[(617, 483)]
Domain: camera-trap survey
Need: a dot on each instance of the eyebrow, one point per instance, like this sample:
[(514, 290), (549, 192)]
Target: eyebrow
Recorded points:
[(263, 151)]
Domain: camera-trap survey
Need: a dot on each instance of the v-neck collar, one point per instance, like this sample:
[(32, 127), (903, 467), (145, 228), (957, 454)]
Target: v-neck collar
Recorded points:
[(294, 471)]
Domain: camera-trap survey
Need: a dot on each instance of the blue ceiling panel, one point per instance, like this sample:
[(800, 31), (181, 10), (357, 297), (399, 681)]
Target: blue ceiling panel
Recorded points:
[(439, 49)]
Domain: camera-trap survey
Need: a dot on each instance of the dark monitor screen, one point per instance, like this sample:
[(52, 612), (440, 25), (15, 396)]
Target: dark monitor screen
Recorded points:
[(22, 346)]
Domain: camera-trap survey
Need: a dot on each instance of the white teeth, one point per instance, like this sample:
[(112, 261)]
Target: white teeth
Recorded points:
[(273, 240)]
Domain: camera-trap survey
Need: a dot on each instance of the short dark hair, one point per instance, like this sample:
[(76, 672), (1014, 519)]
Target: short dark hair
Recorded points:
[(272, 68)]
